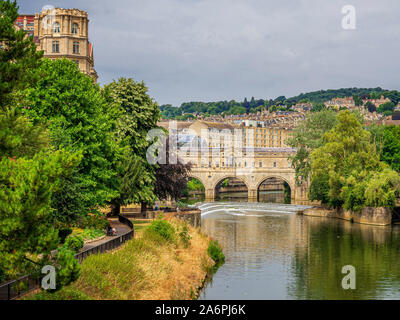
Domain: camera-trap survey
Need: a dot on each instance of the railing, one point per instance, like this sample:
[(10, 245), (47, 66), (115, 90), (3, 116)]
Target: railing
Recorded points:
[(15, 288)]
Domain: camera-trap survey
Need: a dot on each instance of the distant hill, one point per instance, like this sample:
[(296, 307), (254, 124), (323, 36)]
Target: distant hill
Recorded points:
[(325, 95), (189, 110)]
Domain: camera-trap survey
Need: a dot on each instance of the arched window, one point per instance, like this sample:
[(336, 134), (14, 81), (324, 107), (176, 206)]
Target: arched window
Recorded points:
[(74, 28), (56, 27)]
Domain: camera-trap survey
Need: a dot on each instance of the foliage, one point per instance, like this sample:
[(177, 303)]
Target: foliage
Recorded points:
[(195, 185), (184, 235), (26, 224), (370, 106), (307, 137), (325, 95), (64, 233), (67, 268), (287, 193), (162, 228), (74, 243), (95, 220), (317, 107), (129, 170), (171, 176), (254, 105), (347, 165), (382, 189), (391, 146), (79, 121), (225, 183), (89, 234), (136, 115), (143, 268), (215, 252), (18, 57), (18, 136), (386, 108), (357, 100)]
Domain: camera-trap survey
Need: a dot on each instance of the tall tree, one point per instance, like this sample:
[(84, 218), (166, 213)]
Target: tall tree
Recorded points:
[(136, 115), (80, 122), (18, 55), (307, 137), (29, 171), (391, 147), (172, 176), (346, 168)]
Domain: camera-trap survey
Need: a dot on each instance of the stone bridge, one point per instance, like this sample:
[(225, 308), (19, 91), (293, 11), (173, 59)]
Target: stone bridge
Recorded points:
[(265, 163)]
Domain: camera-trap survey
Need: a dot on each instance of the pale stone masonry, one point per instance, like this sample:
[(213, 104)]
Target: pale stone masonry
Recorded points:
[(62, 33)]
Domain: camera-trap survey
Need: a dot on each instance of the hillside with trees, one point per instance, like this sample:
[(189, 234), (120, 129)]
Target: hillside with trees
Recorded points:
[(190, 110)]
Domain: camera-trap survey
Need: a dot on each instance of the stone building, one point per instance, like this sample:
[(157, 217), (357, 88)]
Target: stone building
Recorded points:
[(62, 33)]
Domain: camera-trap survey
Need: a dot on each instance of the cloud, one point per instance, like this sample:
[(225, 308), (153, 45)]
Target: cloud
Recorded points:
[(208, 50)]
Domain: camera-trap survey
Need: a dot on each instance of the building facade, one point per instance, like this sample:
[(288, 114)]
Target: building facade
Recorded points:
[(62, 33)]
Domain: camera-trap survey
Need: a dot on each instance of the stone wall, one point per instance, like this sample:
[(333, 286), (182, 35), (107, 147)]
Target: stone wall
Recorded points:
[(192, 217), (375, 216)]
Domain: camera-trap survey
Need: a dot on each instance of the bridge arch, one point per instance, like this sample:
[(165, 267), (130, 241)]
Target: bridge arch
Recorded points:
[(234, 194), (276, 176), (198, 177), (232, 176), (195, 192)]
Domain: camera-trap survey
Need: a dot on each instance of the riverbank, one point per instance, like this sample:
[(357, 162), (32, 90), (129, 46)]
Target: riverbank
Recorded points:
[(373, 216), (148, 267)]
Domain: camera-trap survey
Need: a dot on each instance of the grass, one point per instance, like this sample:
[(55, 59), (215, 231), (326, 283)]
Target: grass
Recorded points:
[(87, 234), (140, 225), (144, 268)]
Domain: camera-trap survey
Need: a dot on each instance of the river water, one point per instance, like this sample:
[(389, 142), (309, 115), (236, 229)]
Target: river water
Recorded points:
[(272, 253)]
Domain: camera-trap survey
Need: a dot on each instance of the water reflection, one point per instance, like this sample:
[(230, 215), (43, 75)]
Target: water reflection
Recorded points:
[(274, 254)]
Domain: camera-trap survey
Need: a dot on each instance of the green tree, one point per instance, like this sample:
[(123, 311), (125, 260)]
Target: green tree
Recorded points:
[(307, 137), (370, 107), (386, 108), (26, 222), (357, 100), (317, 107), (79, 121), (18, 136), (347, 165), (30, 171), (18, 56), (195, 185), (391, 146), (137, 114)]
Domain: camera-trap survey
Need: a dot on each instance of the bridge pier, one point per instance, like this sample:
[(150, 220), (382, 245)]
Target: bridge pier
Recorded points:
[(252, 195), (210, 195)]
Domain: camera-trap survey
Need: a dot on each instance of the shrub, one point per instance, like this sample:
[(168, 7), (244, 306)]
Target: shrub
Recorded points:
[(74, 243), (94, 221), (185, 236), (215, 252), (163, 229), (68, 268), (64, 233)]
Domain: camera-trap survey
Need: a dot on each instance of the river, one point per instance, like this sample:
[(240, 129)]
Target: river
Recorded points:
[(272, 253)]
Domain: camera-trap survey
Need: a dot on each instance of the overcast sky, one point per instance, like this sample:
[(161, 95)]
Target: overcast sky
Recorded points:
[(207, 50)]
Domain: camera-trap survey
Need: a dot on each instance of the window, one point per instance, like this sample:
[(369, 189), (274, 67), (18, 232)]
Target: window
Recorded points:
[(260, 164), (56, 27), (56, 46), (75, 48), (74, 28), (274, 164)]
